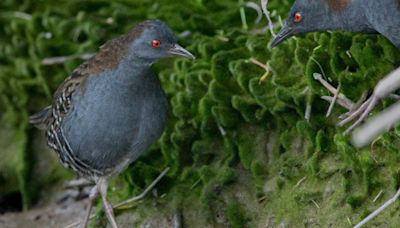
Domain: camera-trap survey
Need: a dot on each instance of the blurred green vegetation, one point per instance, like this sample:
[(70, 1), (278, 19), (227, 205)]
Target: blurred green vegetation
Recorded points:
[(241, 152)]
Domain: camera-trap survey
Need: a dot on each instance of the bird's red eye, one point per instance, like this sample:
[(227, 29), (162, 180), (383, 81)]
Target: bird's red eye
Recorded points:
[(155, 43), (298, 17)]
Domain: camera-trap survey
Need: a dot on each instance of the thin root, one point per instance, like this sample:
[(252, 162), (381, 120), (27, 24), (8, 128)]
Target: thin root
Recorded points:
[(262, 65), (379, 210)]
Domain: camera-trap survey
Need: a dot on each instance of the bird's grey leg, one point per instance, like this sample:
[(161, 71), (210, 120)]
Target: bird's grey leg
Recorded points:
[(355, 113), (367, 110), (93, 195), (102, 184), (355, 106), (384, 88)]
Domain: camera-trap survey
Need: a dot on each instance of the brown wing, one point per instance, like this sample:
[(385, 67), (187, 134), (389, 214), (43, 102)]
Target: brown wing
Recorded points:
[(52, 116), (61, 101)]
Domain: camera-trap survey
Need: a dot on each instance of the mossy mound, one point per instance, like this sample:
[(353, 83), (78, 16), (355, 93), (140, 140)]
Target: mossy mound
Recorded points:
[(241, 152)]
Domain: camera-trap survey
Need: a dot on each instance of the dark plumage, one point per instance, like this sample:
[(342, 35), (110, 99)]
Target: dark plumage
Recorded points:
[(112, 107), (368, 16)]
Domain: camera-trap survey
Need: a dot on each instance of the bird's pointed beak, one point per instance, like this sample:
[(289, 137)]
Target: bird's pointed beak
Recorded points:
[(178, 50), (285, 33)]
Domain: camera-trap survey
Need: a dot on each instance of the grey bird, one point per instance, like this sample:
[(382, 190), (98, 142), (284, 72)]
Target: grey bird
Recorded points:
[(111, 108), (367, 16)]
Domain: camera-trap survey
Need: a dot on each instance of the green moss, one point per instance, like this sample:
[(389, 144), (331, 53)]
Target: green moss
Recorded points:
[(236, 215), (355, 201)]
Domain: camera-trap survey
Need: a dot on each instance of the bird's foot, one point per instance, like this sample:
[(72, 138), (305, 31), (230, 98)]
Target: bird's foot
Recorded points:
[(123, 205), (384, 88), (361, 112)]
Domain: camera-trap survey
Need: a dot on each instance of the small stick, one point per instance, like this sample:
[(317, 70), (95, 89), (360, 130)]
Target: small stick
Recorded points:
[(258, 63), (330, 88), (349, 221), (333, 101), (315, 203), (373, 149), (307, 114), (195, 184), (63, 59), (377, 196), (243, 15), (144, 193), (257, 8), (300, 181), (339, 101), (221, 130), (379, 210), (222, 38), (262, 30), (185, 34), (23, 15), (264, 8), (319, 65), (262, 65)]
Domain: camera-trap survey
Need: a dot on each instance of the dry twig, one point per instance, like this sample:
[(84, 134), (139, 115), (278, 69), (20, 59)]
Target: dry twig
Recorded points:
[(379, 210), (63, 59), (264, 8)]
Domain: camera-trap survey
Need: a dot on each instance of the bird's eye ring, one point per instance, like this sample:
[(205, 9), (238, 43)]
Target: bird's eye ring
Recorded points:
[(298, 17), (156, 43)]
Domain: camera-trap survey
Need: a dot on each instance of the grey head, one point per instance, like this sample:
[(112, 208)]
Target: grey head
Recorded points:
[(153, 40), (321, 15)]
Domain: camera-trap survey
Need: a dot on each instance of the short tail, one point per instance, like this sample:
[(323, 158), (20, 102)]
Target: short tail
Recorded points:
[(40, 119)]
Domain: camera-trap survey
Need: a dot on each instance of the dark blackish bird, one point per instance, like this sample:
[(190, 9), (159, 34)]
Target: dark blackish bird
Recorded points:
[(111, 108), (367, 16)]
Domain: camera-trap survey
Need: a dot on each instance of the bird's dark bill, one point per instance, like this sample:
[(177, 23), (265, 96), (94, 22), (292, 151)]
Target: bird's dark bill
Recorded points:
[(285, 33), (180, 51)]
